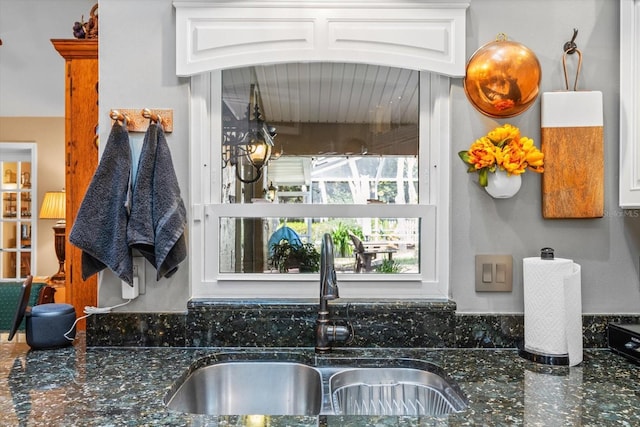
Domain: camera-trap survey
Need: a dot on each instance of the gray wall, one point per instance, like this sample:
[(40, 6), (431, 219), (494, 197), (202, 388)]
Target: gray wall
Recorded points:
[(137, 70), (607, 248), (31, 71), (137, 56)]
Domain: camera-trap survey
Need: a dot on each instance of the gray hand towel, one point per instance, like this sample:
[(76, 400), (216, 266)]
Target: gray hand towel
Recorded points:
[(158, 215), (100, 228)]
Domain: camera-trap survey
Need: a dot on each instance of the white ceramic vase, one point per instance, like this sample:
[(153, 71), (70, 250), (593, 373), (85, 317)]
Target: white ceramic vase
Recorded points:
[(500, 185)]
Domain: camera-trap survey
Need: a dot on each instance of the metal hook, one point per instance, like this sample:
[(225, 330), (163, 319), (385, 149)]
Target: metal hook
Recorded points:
[(570, 46), (564, 65), (118, 116), (148, 114)]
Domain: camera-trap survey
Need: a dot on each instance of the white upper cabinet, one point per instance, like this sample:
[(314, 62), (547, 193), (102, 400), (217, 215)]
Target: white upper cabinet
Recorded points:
[(630, 103)]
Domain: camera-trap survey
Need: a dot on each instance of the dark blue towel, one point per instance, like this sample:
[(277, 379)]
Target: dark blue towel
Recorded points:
[(158, 215), (100, 228)]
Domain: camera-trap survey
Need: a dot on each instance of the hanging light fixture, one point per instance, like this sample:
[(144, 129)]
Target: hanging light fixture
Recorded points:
[(249, 139), (272, 192)]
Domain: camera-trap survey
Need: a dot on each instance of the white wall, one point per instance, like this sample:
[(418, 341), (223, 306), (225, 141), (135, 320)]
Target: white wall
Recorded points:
[(137, 55)]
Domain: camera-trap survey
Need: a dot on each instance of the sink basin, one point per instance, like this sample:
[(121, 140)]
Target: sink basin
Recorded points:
[(393, 391), (254, 387), (310, 386)]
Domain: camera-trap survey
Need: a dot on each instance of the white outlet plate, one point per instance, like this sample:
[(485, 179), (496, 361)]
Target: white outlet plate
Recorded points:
[(139, 284), (130, 292), (139, 263)]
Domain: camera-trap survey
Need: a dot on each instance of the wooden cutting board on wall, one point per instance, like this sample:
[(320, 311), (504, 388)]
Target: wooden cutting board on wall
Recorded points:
[(572, 140)]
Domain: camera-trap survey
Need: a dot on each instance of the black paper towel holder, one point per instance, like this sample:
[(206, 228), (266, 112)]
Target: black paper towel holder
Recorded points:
[(546, 359)]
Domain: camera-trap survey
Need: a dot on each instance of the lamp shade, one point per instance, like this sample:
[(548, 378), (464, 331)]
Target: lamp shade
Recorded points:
[(258, 153), (54, 205)]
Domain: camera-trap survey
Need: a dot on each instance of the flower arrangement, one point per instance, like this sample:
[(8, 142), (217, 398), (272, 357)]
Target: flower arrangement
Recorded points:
[(502, 148)]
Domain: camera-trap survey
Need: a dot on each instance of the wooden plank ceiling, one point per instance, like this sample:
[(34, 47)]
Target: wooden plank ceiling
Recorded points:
[(326, 92)]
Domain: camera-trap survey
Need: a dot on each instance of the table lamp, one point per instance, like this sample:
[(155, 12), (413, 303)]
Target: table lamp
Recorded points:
[(54, 207)]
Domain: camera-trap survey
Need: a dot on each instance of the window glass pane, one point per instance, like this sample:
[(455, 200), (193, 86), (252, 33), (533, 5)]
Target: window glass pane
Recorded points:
[(15, 210), (347, 132), (320, 134), (292, 245), (358, 179)]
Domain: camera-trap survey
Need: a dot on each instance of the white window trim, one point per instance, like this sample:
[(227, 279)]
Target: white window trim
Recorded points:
[(219, 34), (432, 282)]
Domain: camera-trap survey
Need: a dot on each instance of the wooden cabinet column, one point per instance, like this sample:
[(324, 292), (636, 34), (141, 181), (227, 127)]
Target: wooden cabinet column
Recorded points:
[(81, 154)]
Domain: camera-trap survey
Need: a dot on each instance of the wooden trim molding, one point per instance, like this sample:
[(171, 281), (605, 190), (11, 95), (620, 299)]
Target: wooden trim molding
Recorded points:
[(76, 49)]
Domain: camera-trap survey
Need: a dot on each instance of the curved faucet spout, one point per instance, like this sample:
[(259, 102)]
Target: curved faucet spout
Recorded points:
[(327, 332), (328, 280)]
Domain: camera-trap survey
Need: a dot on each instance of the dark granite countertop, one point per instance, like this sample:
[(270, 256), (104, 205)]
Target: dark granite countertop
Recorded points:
[(116, 386)]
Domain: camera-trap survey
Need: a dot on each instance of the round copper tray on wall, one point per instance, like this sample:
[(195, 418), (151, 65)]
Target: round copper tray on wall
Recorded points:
[(502, 78)]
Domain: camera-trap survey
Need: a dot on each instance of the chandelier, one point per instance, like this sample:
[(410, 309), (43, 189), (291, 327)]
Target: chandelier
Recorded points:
[(247, 142)]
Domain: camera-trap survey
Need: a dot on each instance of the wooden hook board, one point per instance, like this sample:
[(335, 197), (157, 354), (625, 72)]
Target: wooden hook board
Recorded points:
[(138, 123)]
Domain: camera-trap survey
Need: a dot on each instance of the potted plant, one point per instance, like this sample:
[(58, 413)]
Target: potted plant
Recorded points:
[(342, 240), (500, 154), (284, 256), (308, 258)]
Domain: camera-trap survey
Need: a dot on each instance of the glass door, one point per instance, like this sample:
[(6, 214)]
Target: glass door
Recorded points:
[(17, 227)]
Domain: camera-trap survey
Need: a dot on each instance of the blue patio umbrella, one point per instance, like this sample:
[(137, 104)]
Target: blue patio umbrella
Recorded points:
[(284, 233)]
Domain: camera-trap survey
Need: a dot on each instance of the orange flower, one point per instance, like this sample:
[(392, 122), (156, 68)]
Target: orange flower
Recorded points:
[(513, 159), (482, 153), (502, 147)]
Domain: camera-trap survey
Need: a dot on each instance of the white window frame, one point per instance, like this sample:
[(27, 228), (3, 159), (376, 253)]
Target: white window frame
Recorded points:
[(424, 35), (433, 209)]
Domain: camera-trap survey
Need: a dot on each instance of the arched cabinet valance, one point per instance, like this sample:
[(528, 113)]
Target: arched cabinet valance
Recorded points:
[(426, 36)]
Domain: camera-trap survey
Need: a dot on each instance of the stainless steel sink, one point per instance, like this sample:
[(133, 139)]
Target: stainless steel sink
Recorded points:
[(253, 387), (393, 391), (315, 386)]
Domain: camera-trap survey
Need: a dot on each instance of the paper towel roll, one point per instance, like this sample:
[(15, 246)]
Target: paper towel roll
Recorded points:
[(553, 307)]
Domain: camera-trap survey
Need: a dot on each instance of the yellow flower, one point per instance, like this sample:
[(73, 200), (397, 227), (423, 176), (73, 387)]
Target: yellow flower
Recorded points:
[(482, 153), (505, 148), (504, 134), (513, 160), (533, 156)]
